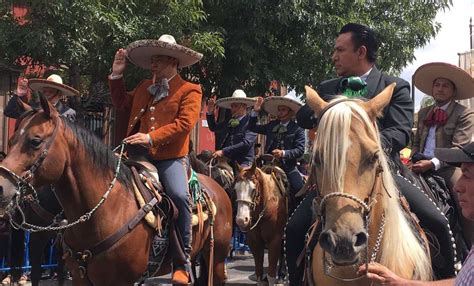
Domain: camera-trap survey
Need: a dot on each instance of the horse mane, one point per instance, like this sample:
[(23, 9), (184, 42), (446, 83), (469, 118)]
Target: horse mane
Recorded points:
[(272, 192), (104, 159), (196, 164), (401, 247)]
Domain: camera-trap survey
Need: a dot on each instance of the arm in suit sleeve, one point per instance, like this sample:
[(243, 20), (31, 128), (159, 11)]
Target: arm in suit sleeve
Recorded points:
[(242, 147), (121, 99), (306, 118), (398, 119), (257, 128), (213, 126), (188, 115), (298, 149)]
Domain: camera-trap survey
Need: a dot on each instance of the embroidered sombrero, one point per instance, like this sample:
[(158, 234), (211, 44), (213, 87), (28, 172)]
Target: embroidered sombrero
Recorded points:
[(238, 96), (53, 81), (270, 104), (426, 74), (141, 51)]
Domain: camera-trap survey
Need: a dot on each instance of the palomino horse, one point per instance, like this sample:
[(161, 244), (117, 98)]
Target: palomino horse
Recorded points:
[(361, 218), (95, 191), (262, 214)]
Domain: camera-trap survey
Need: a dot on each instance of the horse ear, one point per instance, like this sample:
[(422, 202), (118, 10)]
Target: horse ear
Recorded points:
[(254, 167), (24, 107), (375, 106), (316, 103), (48, 109)]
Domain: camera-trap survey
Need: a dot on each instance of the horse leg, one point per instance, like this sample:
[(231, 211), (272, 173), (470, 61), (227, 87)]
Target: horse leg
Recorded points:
[(274, 251), (62, 272), (257, 247), (38, 242)]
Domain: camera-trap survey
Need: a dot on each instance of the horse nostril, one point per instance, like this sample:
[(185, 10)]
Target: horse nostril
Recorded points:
[(326, 240), (246, 220), (360, 239)]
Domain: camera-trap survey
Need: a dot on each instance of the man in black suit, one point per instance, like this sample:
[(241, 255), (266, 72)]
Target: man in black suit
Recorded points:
[(285, 140), (354, 56), (238, 142)]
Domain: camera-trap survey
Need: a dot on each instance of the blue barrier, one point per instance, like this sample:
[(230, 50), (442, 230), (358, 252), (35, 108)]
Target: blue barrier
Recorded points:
[(238, 241), (50, 261)]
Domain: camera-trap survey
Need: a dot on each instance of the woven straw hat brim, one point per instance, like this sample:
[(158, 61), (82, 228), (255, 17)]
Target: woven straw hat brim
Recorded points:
[(270, 104), (141, 51), (426, 74), (226, 102), (37, 84)]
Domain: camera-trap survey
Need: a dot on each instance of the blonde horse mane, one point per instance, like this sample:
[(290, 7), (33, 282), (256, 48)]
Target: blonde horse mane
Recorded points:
[(401, 250)]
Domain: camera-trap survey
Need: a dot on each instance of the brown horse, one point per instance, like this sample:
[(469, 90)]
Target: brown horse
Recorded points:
[(262, 214), (358, 204), (95, 192)]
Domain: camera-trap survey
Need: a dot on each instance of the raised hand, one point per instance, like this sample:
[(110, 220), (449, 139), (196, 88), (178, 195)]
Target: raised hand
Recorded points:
[(258, 104), (119, 62)]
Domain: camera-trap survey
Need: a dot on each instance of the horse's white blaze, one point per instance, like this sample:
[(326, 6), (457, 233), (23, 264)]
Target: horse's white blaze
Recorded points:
[(244, 191)]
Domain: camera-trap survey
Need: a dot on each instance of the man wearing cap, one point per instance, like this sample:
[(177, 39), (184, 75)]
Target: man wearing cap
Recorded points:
[(53, 89), (163, 112), (445, 123), (238, 142), (460, 156), (285, 140)]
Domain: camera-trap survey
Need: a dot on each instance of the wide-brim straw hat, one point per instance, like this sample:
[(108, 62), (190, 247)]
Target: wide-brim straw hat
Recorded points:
[(270, 104), (53, 81), (238, 96), (426, 74), (141, 51)]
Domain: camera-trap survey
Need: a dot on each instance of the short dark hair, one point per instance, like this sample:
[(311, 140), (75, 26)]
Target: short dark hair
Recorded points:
[(363, 36)]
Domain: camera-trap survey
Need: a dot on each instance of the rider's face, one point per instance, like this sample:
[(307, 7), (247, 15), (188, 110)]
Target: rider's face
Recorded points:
[(51, 94), (161, 65), (443, 90), (345, 57), (284, 113), (465, 190)]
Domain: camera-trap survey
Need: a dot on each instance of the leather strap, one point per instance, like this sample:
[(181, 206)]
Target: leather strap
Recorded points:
[(45, 215)]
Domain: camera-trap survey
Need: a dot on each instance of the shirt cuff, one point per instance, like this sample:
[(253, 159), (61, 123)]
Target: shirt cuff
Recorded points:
[(149, 140), (115, 76), (436, 163), (253, 113), (283, 153)]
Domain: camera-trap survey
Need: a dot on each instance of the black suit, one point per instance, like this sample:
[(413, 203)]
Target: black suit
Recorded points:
[(397, 120)]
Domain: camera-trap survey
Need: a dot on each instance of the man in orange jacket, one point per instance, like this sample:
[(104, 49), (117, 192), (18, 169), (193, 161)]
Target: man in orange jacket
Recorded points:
[(164, 110)]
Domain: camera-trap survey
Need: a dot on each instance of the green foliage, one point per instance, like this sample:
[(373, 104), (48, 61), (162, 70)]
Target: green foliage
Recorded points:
[(246, 43)]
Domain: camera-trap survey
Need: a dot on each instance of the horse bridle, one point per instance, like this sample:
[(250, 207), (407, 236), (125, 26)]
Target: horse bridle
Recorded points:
[(253, 204)]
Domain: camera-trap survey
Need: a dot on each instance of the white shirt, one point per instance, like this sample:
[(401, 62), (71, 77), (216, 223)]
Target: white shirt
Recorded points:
[(366, 75), (430, 144)]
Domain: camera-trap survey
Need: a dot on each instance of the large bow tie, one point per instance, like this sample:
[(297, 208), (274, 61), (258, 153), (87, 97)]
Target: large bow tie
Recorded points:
[(159, 90), (280, 128), (437, 116), (353, 86), (234, 122)]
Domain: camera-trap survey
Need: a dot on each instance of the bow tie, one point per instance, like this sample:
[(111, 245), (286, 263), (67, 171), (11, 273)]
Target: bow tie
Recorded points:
[(234, 122), (353, 86), (437, 117), (159, 90), (280, 128)]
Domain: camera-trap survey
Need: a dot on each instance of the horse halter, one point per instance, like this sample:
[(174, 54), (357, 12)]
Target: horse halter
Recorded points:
[(253, 205)]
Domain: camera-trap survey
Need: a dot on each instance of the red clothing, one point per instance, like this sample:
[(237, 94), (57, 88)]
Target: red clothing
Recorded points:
[(168, 121)]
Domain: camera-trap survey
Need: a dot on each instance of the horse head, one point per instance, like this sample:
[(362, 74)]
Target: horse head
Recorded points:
[(347, 159), (247, 191), (36, 157)]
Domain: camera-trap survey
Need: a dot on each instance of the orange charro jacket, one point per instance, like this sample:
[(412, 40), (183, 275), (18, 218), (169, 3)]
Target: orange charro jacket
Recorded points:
[(168, 121)]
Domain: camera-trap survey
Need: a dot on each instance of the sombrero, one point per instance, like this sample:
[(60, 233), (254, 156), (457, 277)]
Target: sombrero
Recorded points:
[(426, 74), (238, 96), (141, 51), (53, 81), (456, 155), (270, 104)]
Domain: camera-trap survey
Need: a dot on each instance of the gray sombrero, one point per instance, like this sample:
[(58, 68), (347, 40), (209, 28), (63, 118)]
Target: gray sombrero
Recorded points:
[(426, 74), (53, 81), (270, 104), (238, 96), (456, 155), (141, 51)]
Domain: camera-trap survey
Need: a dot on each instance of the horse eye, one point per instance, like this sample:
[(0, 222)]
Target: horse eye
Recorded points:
[(374, 158), (36, 142)]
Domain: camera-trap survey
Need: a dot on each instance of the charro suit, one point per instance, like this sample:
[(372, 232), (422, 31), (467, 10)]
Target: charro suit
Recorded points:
[(458, 129)]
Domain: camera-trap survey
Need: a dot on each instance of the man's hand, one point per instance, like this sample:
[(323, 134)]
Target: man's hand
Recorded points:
[(381, 275), (277, 153), (218, 154), (138, 138), (258, 104), (422, 166), (211, 105), (119, 62), (22, 88)]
